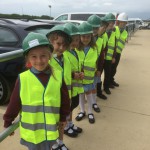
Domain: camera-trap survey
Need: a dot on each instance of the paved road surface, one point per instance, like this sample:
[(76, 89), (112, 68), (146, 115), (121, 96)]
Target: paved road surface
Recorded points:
[(124, 121)]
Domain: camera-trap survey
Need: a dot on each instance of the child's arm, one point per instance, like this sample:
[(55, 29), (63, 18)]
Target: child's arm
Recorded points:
[(14, 106), (65, 103)]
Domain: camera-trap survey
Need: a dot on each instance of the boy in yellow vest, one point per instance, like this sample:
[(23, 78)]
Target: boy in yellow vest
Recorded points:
[(36, 97), (121, 35)]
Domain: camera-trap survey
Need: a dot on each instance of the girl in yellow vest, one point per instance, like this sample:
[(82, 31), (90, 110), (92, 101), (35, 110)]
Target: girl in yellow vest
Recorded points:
[(89, 58), (121, 35), (77, 76), (36, 97), (60, 38)]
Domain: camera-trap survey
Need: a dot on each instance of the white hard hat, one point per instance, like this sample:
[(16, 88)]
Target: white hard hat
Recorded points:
[(122, 17)]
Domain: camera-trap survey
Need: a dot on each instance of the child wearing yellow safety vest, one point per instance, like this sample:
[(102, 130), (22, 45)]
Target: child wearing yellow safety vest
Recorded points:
[(60, 38), (121, 35), (89, 57), (95, 22), (110, 52), (77, 76), (36, 98)]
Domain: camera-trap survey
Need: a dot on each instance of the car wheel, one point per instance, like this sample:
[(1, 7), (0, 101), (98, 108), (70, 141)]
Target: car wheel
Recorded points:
[(4, 90)]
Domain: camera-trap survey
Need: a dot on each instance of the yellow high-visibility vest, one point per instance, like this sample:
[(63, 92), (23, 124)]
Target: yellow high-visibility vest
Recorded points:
[(40, 107)]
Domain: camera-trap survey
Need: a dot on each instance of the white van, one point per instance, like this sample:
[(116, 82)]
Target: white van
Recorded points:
[(139, 23), (80, 15)]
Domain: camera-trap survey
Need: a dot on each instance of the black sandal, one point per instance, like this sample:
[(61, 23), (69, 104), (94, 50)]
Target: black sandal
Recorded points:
[(96, 108), (91, 120), (73, 134), (63, 145), (78, 129), (80, 116)]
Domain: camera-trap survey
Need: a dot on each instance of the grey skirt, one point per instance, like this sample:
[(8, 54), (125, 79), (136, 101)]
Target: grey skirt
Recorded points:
[(45, 145)]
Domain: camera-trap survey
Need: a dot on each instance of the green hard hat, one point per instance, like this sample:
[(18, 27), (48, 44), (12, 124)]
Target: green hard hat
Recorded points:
[(94, 21), (73, 29), (60, 28), (33, 40), (85, 28), (110, 17)]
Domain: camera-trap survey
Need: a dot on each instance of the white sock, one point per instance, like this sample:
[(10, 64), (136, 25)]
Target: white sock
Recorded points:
[(94, 98), (81, 102), (89, 100)]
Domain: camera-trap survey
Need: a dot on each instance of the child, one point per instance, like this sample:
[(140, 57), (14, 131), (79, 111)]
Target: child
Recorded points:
[(121, 35), (35, 97), (60, 38), (77, 76), (89, 68), (110, 51)]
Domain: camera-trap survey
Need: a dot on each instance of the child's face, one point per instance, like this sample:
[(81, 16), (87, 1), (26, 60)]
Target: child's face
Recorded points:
[(102, 29), (75, 42), (59, 45), (86, 39), (39, 57), (111, 25), (122, 24), (95, 31)]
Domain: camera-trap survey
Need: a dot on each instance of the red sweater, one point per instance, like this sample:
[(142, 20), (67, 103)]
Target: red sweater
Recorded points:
[(14, 105)]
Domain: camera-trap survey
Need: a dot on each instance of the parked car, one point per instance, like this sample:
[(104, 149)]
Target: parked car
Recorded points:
[(80, 15), (12, 33)]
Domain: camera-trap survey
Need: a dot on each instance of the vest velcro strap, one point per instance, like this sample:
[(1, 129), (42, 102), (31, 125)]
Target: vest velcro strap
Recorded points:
[(121, 41), (41, 108), (77, 85), (39, 126), (89, 68), (111, 47), (88, 78), (110, 55), (69, 87)]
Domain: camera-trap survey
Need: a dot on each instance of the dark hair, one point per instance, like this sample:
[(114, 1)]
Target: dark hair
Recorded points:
[(54, 35)]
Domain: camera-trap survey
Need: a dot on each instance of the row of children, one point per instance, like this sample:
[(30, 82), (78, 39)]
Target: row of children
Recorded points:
[(65, 67)]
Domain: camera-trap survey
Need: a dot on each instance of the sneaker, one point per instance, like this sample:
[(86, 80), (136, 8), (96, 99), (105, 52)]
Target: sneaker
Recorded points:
[(63, 147), (96, 108), (70, 132)]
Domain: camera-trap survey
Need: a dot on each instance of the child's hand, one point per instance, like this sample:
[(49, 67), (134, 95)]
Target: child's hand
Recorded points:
[(113, 60), (98, 73), (76, 75), (81, 74)]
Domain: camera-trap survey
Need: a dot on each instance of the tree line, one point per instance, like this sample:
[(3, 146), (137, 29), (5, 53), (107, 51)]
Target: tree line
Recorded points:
[(17, 16)]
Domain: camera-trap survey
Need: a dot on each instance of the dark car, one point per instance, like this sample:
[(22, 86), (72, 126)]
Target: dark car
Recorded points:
[(12, 33)]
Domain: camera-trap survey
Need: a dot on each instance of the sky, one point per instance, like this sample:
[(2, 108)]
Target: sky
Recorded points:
[(134, 8)]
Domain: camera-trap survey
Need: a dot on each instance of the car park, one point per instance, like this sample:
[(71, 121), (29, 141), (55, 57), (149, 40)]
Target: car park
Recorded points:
[(12, 33)]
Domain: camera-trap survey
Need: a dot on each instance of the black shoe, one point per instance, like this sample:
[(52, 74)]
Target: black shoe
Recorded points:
[(80, 116), (102, 96), (91, 120), (115, 84), (96, 108), (111, 86), (76, 129), (107, 91), (63, 145), (72, 134)]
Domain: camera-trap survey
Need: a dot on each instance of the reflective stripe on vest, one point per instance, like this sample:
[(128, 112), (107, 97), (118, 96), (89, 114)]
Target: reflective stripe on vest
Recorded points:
[(111, 46), (99, 43), (121, 38), (76, 85), (89, 65), (40, 107), (66, 70)]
